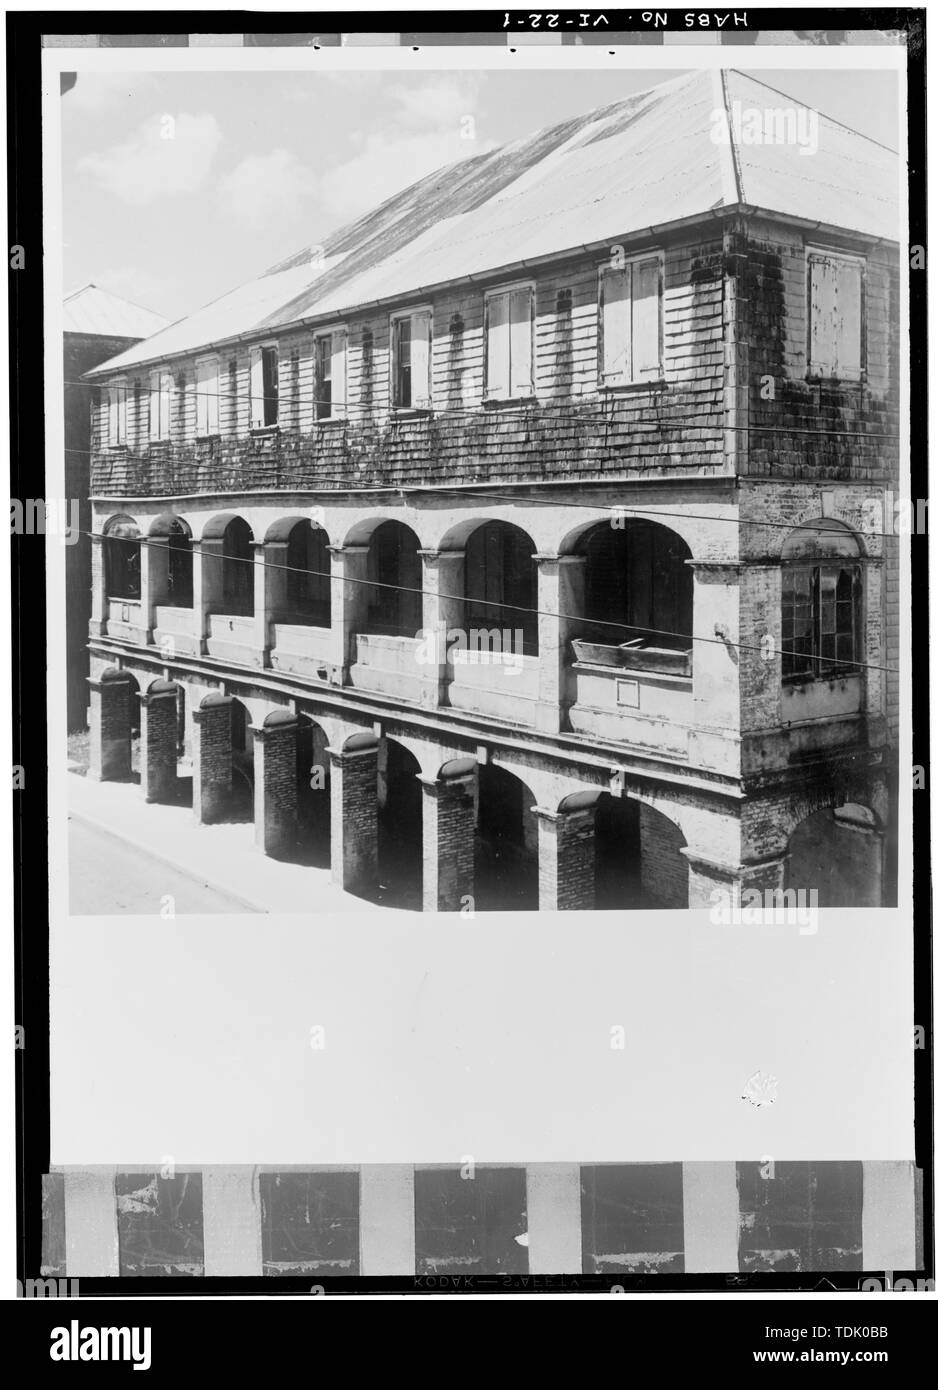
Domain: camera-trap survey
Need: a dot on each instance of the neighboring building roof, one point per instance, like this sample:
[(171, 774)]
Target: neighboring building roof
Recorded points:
[(642, 163), (99, 313)]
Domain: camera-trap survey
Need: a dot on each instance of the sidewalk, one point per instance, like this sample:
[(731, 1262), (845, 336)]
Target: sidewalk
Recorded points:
[(223, 857)]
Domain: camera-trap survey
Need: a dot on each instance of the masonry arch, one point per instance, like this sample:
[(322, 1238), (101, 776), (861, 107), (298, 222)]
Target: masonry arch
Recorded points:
[(400, 826), (500, 583), (176, 534), (506, 842), (394, 575), (307, 584), (837, 852), (122, 559), (638, 595), (313, 792)]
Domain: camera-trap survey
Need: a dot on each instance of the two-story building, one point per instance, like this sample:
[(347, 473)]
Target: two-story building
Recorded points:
[(521, 544)]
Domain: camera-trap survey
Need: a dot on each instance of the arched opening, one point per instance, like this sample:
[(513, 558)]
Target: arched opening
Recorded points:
[(241, 807), (501, 585), (313, 807), (506, 843), (822, 630), (400, 827), (307, 578), (122, 559), (837, 853), (238, 568), (179, 565), (618, 853), (638, 604), (395, 604)]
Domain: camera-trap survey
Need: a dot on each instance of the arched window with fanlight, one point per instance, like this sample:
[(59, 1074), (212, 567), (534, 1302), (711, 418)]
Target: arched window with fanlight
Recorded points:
[(822, 602)]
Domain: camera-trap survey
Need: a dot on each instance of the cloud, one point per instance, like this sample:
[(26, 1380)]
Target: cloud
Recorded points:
[(166, 156), (441, 101), (389, 163), (103, 91), (265, 187)]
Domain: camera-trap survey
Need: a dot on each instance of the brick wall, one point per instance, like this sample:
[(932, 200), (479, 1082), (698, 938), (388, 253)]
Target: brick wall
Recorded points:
[(664, 868)]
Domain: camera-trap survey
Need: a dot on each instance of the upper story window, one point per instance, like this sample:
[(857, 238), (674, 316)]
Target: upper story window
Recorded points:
[(509, 343), (821, 603), (331, 374), (161, 395), (632, 319), (410, 360), (835, 315), (206, 396), (265, 387), (117, 413)]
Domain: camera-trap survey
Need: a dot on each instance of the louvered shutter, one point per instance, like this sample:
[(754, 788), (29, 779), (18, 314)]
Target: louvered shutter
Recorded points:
[(420, 361), (497, 350), (646, 319), (339, 373), (617, 335), (521, 383), (257, 388)]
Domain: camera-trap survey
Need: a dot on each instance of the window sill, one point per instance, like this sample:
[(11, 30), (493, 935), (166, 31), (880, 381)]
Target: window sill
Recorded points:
[(818, 379), (656, 383), (411, 412), (330, 422), (264, 429), (798, 683), (506, 402)]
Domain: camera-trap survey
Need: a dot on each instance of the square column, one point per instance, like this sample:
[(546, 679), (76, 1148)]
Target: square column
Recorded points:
[(211, 759), (97, 623), (275, 785), (349, 601), (448, 843), (566, 859), (713, 882), (154, 580), (158, 732), (269, 587), (561, 583), (443, 616), (207, 586), (354, 819), (109, 759)]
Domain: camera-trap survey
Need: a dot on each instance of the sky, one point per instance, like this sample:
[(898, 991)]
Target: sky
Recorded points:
[(180, 186)]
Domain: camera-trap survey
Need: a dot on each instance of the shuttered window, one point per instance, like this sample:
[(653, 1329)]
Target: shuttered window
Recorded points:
[(265, 387), (410, 365), (835, 314), (632, 322), (117, 414), (509, 333), (331, 375), (206, 397), (161, 387)]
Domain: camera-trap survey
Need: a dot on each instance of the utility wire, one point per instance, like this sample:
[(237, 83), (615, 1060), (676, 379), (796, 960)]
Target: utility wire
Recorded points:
[(512, 607)]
